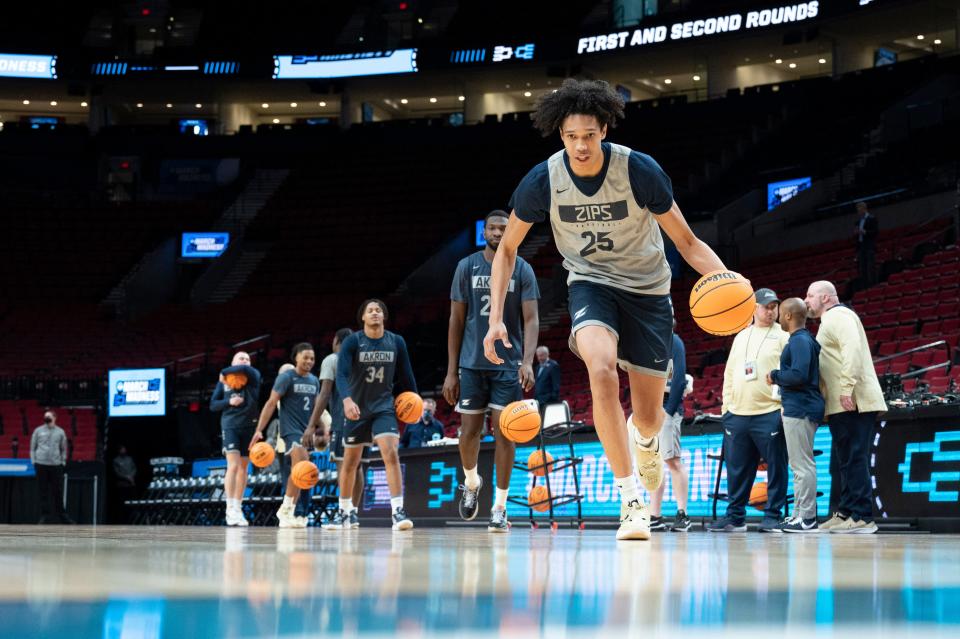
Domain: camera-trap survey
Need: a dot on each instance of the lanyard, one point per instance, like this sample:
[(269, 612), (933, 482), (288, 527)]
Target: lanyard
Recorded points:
[(746, 350)]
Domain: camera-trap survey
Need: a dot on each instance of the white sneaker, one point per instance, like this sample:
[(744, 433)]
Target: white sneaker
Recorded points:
[(634, 521), (302, 522), (240, 519), (649, 461), (286, 518), (234, 516)]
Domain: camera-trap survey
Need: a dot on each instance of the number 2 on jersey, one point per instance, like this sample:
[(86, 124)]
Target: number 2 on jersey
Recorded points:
[(596, 242), (485, 309), (374, 373)]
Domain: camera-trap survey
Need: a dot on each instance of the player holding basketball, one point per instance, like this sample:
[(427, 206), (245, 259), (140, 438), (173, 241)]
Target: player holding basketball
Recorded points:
[(238, 403), (370, 364), (334, 434), (481, 384), (607, 205), (296, 391)]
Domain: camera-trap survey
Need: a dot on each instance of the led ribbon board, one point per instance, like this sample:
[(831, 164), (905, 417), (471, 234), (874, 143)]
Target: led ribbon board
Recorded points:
[(345, 65), (15, 65), (692, 29)]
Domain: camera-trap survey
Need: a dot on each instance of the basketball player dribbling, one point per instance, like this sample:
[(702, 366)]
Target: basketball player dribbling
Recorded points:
[(607, 205), (296, 391), (474, 384)]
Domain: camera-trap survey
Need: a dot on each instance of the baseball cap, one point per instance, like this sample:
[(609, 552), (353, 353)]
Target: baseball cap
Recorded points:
[(765, 296)]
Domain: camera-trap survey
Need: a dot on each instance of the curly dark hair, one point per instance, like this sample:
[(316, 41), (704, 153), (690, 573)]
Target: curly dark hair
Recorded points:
[(577, 97)]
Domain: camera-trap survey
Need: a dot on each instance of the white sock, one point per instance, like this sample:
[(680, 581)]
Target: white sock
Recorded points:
[(644, 442), (470, 478), (396, 502), (346, 505), (287, 501), (628, 488), (500, 501)]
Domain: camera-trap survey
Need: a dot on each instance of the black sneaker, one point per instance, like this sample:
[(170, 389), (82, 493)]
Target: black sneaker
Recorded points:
[(470, 501), (498, 521), (657, 523), (770, 525), (800, 525), (337, 522), (400, 520), (353, 520), (727, 525), (681, 523)]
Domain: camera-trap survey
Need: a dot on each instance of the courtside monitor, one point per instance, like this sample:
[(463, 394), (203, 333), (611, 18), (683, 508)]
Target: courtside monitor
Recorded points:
[(780, 192), (194, 126), (137, 392), (479, 238), (204, 245)]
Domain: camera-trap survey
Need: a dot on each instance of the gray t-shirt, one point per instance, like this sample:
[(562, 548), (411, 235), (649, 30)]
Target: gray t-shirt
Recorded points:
[(471, 284), (604, 226), (298, 395), (328, 371), (48, 446)]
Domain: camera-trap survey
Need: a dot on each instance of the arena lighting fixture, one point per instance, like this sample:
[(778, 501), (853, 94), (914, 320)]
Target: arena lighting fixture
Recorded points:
[(264, 106), (527, 94), (696, 78), (53, 103), (433, 100), (276, 120), (461, 97), (139, 105), (198, 105), (822, 60), (403, 100), (83, 104), (938, 41), (668, 81), (920, 37), (778, 61), (792, 65), (26, 102), (293, 105), (169, 106), (323, 104)]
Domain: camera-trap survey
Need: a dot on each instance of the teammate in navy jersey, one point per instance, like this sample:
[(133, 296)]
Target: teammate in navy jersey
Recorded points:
[(296, 391), (329, 400), (607, 205), (475, 384), (372, 364)]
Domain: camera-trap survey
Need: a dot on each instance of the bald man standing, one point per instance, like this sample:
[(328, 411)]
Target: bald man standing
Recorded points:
[(853, 402)]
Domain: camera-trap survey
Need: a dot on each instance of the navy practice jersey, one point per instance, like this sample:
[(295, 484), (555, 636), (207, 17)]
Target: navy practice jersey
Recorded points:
[(298, 395), (471, 285), (368, 369)]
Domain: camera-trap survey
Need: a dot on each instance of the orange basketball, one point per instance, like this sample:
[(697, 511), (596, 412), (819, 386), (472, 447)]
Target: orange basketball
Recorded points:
[(235, 381), (262, 454), (536, 464), (722, 303), (519, 421), (409, 407), (539, 494), (758, 495), (305, 475)]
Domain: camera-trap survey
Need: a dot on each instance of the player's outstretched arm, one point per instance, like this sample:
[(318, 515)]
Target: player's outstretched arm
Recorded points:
[(694, 250), (501, 272)]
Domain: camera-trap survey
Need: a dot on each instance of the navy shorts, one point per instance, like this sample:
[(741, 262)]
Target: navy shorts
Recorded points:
[(363, 431), (336, 445), (643, 324), (292, 440), (237, 439), (480, 389)]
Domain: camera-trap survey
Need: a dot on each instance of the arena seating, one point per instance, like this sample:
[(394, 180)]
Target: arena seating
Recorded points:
[(20, 418)]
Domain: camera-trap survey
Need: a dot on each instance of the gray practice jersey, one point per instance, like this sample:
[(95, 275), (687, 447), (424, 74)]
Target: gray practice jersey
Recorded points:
[(471, 285), (297, 398), (610, 237)]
